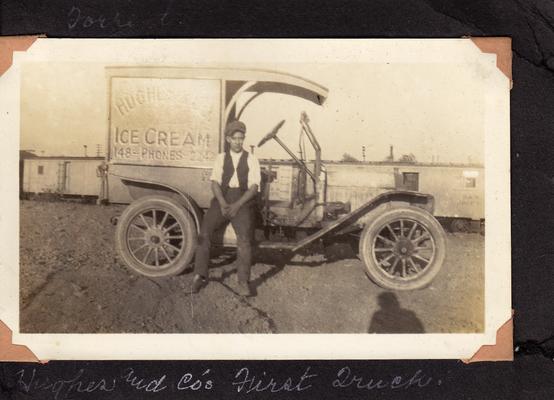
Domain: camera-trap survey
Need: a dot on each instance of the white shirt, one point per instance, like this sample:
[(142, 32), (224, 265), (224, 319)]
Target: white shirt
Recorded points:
[(254, 174)]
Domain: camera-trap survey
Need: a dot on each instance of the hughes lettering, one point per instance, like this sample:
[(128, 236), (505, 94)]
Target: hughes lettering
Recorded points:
[(126, 103), (154, 137)]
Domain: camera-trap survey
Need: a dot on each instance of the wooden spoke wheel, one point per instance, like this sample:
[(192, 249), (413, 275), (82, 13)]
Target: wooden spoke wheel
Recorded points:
[(156, 236), (403, 248)]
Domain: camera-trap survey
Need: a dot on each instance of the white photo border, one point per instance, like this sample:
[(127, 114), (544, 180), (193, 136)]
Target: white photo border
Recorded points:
[(270, 346)]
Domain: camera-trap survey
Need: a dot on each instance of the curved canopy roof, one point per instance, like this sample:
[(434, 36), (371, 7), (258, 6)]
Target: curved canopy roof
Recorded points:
[(266, 80)]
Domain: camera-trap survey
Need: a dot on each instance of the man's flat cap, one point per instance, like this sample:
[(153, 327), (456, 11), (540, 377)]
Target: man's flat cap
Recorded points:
[(235, 126)]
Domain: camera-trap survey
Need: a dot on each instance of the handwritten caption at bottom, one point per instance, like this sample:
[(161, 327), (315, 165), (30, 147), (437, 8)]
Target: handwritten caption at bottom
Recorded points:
[(244, 381)]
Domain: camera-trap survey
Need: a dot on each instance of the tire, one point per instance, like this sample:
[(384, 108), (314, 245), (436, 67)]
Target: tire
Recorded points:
[(407, 256), (156, 236)]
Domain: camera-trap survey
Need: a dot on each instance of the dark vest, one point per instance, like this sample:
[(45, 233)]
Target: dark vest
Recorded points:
[(228, 171)]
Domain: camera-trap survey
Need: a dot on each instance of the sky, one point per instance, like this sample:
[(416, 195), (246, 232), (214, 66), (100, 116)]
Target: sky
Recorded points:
[(432, 111)]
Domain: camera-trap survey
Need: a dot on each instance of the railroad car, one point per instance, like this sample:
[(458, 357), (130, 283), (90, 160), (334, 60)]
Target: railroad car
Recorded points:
[(458, 189), (61, 176)]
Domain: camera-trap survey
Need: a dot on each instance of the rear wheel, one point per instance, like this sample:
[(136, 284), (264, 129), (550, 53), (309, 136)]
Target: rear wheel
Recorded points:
[(156, 236), (403, 248)]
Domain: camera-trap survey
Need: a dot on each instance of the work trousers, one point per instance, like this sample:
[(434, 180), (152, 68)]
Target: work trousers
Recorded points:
[(243, 224)]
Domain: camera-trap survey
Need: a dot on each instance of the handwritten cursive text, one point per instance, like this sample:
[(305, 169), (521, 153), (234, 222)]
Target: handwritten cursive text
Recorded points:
[(245, 382), (62, 388), (346, 379)]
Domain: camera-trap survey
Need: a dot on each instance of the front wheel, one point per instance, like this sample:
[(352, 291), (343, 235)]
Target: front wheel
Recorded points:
[(156, 236), (403, 248)]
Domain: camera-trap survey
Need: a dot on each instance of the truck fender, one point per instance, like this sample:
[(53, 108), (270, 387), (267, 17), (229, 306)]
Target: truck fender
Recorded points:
[(142, 187), (354, 219), (396, 197), (416, 199)]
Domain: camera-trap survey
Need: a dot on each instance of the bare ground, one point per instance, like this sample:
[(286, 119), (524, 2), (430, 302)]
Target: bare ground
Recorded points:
[(72, 281)]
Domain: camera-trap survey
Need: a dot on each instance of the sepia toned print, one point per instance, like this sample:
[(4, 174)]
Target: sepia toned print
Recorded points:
[(369, 217)]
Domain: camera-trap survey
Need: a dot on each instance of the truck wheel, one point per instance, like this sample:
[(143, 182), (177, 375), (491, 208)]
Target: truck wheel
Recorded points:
[(156, 236), (403, 248)]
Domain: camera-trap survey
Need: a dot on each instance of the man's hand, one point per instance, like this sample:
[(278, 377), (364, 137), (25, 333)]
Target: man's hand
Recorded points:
[(224, 209), (233, 209), (224, 206), (247, 196)]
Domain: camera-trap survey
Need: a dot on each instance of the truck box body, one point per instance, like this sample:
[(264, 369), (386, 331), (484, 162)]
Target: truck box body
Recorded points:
[(162, 129)]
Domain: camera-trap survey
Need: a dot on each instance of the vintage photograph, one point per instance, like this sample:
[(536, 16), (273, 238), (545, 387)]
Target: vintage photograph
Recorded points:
[(336, 193)]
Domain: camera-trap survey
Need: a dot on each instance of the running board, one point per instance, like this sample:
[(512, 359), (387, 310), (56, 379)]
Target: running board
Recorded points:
[(348, 219)]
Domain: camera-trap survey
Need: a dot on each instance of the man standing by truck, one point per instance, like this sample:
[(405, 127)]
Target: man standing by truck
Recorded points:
[(235, 181)]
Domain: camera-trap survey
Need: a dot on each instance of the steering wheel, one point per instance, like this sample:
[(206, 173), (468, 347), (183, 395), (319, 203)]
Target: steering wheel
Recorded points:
[(272, 134)]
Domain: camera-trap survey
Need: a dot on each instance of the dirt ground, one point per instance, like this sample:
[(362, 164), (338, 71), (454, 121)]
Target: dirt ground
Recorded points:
[(72, 281)]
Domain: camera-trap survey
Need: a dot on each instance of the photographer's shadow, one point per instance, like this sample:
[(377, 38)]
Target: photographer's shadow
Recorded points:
[(391, 318)]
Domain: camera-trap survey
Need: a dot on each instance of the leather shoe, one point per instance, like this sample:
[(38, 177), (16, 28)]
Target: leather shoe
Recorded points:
[(198, 282), (243, 289)]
